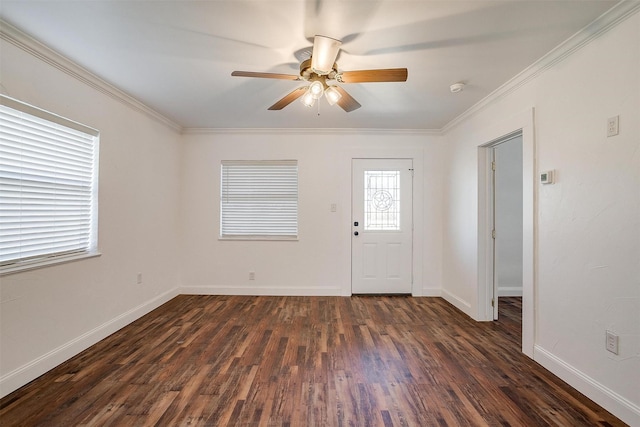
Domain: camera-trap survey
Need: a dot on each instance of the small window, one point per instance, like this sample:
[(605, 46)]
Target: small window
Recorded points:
[(382, 200), (259, 199), (48, 187)]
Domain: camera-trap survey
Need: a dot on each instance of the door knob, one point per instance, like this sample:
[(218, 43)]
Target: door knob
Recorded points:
[(355, 233)]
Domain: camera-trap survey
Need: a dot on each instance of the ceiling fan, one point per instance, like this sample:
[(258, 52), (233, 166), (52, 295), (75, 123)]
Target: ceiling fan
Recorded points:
[(321, 68)]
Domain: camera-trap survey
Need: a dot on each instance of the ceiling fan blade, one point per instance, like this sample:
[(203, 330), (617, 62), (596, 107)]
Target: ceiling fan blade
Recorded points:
[(265, 75), (372, 76), (346, 101), (288, 99), (325, 52)]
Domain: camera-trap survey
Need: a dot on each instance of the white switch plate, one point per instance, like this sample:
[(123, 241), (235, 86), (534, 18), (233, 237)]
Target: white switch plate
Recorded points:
[(333, 207), (612, 342), (613, 126)]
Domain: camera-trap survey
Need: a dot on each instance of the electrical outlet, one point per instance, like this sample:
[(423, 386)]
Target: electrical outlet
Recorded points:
[(252, 275), (612, 126), (139, 278), (612, 342)]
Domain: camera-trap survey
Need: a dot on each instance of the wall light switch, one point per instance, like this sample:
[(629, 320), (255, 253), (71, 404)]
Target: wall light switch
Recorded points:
[(333, 207), (613, 126), (612, 342)]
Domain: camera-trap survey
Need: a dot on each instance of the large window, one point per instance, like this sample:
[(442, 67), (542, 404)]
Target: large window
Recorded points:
[(48, 187), (259, 199)]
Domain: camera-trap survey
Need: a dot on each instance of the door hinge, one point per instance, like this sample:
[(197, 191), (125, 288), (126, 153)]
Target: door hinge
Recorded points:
[(493, 166), (493, 302), (493, 234)]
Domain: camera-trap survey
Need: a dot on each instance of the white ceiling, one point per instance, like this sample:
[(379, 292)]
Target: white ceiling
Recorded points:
[(177, 56)]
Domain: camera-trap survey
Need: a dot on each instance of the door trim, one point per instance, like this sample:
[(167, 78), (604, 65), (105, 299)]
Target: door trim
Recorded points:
[(481, 307)]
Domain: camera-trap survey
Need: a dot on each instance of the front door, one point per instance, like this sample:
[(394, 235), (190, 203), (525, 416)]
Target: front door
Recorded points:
[(382, 226)]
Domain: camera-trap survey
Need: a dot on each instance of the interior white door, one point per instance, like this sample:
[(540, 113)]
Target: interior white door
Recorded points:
[(494, 246), (382, 226)]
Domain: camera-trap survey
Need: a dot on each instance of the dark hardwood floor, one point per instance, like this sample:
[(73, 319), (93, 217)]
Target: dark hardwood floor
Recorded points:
[(305, 361)]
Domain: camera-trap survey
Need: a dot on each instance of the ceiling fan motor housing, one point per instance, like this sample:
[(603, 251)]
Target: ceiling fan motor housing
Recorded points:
[(307, 73)]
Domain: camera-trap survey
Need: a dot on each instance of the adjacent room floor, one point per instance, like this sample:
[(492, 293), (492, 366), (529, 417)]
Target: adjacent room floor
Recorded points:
[(305, 361)]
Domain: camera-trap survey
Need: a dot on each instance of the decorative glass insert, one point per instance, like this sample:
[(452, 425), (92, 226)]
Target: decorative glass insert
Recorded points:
[(382, 200)]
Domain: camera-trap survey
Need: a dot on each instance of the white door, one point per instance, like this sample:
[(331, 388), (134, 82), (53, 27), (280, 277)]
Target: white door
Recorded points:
[(382, 226), (507, 219)]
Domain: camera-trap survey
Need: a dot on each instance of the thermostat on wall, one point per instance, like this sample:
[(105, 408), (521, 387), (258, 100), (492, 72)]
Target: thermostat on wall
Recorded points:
[(546, 177)]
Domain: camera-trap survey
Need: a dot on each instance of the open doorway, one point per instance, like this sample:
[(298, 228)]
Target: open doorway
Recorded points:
[(507, 230), (518, 124)]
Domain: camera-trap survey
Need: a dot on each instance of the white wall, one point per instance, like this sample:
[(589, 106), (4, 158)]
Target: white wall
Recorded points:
[(320, 262), (588, 223), (508, 217), (49, 314)]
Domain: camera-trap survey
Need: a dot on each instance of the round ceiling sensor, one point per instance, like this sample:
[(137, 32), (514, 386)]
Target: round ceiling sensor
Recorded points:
[(456, 87)]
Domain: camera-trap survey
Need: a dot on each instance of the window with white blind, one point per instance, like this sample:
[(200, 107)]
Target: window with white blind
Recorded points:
[(48, 188), (259, 199)]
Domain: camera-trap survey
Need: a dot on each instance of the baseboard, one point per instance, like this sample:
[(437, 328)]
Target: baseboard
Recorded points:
[(431, 292), (510, 291), (619, 406), (459, 303), (257, 291), (32, 370)]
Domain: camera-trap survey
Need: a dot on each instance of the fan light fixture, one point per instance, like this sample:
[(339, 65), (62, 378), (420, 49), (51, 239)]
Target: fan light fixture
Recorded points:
[(333, 95), (316, 89), (307, 99), (325, 51)]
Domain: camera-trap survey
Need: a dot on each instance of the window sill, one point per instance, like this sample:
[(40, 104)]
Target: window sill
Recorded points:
[(20, 267), (261, 238)]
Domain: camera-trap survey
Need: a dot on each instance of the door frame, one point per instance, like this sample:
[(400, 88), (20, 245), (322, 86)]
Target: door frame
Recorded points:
[(415, 154), (523, 122)]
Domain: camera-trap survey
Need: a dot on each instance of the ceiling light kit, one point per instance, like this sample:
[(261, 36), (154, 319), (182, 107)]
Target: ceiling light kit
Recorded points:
[(322, 67)]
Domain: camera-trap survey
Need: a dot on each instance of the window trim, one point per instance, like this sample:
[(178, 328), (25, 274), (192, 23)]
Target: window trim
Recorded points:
[(25, 264)]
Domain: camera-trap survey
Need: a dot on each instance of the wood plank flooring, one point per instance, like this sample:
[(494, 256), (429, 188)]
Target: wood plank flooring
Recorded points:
[(305, 361)]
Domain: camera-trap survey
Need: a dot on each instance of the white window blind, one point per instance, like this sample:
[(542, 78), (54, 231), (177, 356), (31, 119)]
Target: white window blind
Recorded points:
[(259, 199), (48, 185)]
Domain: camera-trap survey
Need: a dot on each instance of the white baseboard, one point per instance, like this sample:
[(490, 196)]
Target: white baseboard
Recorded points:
[(257, 291), (431, 292), (459, 303), (510, 291), (298, 291), (32, 370), (619, 406)]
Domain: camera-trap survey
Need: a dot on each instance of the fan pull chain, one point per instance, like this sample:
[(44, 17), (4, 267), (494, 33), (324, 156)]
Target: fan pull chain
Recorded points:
[(318, 107)]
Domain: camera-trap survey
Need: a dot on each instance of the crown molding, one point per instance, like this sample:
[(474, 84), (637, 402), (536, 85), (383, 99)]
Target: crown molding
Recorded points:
[(32, 46), (604, 23), (309, 131)]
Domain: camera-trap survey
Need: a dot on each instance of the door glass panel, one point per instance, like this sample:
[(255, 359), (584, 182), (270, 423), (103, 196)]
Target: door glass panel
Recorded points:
[(382, 200)]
